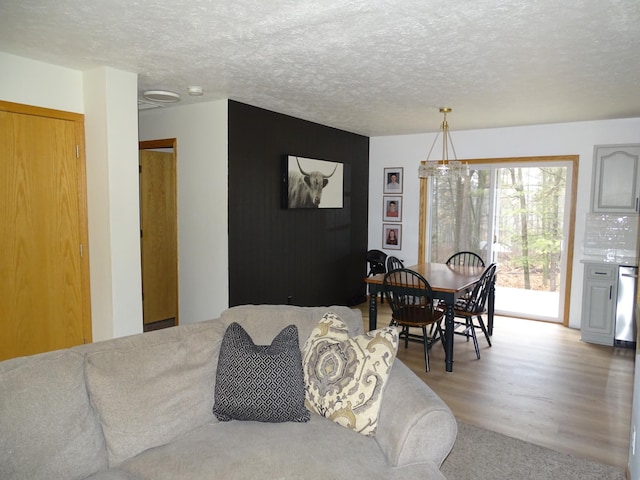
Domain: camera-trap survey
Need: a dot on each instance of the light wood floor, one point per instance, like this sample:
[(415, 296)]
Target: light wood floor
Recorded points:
[(538, 382)]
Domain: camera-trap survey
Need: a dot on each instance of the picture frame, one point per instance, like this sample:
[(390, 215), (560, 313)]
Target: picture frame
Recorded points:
[(391, 236), (309, 183), (393, 179), (392, 208)]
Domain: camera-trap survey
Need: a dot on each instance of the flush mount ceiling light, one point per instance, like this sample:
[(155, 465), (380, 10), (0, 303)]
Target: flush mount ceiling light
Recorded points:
[(161, 96)]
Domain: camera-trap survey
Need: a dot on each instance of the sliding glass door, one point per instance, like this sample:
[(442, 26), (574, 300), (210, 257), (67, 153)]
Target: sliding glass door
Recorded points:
[(516, 213)]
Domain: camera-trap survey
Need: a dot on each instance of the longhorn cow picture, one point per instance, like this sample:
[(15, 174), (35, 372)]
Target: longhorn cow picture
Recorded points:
[(313, 183)]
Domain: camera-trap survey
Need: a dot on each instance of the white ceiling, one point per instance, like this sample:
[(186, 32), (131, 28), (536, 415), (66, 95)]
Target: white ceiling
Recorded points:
[(374, 67)]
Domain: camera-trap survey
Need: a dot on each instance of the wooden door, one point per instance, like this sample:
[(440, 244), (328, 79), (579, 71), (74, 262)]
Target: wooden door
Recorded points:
[(159, 243), (44, 289)]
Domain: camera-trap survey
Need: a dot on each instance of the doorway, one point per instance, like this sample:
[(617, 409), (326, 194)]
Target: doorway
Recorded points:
[(517, 213), (159, 233)]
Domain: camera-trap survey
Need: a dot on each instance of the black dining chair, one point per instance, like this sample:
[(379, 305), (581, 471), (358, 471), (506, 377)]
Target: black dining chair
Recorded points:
[(393, 263), (412, 306), (474, 306), (377, 264), (466, 258)]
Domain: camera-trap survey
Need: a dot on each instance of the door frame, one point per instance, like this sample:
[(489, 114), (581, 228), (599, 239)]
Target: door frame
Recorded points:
[(166, 143), (573, 159)]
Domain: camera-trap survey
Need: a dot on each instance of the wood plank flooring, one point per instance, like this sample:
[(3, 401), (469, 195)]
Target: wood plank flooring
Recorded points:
[(538, 382)]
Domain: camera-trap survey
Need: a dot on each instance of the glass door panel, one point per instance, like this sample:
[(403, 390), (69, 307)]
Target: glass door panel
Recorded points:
[(515, 216), (460, 216)]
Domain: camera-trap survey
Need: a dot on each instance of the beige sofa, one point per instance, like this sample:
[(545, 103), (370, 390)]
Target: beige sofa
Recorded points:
[(140, 407)]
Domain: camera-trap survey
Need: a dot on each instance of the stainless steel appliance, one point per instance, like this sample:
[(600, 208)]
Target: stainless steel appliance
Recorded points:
[(625, 334)]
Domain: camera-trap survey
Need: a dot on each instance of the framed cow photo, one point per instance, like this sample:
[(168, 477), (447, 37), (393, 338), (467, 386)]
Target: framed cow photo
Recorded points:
[(309, 183)]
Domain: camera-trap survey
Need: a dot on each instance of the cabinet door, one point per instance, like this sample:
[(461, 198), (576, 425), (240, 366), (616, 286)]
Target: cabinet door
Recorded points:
[(598, 305), (615, 178)]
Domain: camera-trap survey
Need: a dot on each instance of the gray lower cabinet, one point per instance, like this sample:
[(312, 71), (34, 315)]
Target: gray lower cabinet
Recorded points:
[(598, 303)]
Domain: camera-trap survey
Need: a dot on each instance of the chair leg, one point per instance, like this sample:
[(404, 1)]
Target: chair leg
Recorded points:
[(484, 329), (426, 347), (473, 335)]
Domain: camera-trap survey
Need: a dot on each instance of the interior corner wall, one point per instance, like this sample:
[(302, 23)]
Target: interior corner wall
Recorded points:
[(111, 130), (200, 131), (307, 257), (108, 100)]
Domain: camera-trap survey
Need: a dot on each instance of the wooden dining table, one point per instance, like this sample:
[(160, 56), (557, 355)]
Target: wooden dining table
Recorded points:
[(448, 283)]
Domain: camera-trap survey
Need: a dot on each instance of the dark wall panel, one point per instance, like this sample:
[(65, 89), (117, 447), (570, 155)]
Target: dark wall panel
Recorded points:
[(304, 257)]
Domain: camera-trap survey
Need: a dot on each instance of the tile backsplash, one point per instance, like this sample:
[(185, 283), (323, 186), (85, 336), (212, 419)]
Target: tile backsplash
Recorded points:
[(611, 236)]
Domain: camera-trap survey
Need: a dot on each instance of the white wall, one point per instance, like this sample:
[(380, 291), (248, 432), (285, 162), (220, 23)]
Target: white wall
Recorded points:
[(108, 99), (541, 140), (113, 202), (40, 84), (202, 154)]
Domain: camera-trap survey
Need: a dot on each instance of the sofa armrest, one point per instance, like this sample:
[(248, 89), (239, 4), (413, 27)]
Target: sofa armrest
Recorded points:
[(414, 425)]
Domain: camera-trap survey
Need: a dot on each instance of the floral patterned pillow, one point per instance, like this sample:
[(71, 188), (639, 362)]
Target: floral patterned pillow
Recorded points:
[(345, 377)]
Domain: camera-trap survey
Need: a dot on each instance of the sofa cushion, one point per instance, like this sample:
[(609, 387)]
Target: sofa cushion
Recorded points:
[(345, 377), (151, 388), (260, 382), (316, 450), (47, 426)]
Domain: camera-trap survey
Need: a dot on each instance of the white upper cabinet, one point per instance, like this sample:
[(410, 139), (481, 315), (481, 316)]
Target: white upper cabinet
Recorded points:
[(616, 178)]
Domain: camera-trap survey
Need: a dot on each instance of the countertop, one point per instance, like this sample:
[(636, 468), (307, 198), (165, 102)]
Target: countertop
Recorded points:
[(616, 260)]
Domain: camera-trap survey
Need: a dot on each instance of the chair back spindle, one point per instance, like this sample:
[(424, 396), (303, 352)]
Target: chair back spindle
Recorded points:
[(466, 258)]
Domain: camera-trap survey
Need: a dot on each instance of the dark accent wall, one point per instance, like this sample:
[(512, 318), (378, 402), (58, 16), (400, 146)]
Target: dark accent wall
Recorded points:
[(304, 257)]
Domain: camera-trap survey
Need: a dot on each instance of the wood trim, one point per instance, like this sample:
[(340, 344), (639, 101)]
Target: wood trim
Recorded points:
[(572, 231), (161, 143), (84, 230), (573, 159), (422, 220), (41, 112)]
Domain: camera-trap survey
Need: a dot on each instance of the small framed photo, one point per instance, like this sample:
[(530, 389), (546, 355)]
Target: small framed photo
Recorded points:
[(393, 180), (391, 236), (392, 209)]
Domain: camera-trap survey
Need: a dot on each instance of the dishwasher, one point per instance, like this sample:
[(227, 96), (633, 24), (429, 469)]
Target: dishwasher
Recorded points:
[(625, 334)]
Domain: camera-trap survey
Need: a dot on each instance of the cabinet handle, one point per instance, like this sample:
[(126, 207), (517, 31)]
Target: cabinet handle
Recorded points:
[(610, 291), (600, 273)]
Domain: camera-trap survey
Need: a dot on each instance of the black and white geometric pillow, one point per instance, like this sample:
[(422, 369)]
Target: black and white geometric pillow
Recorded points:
[(263, 383)]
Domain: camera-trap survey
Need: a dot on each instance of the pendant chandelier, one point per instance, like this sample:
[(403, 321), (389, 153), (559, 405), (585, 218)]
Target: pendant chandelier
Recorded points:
[(443, 167)]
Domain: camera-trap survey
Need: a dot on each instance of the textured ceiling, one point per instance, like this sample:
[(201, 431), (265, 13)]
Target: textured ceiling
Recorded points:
[(374, 67)]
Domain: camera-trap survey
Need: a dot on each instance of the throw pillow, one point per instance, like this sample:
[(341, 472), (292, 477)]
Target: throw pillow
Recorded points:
[(263, 383), (345, 377)]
